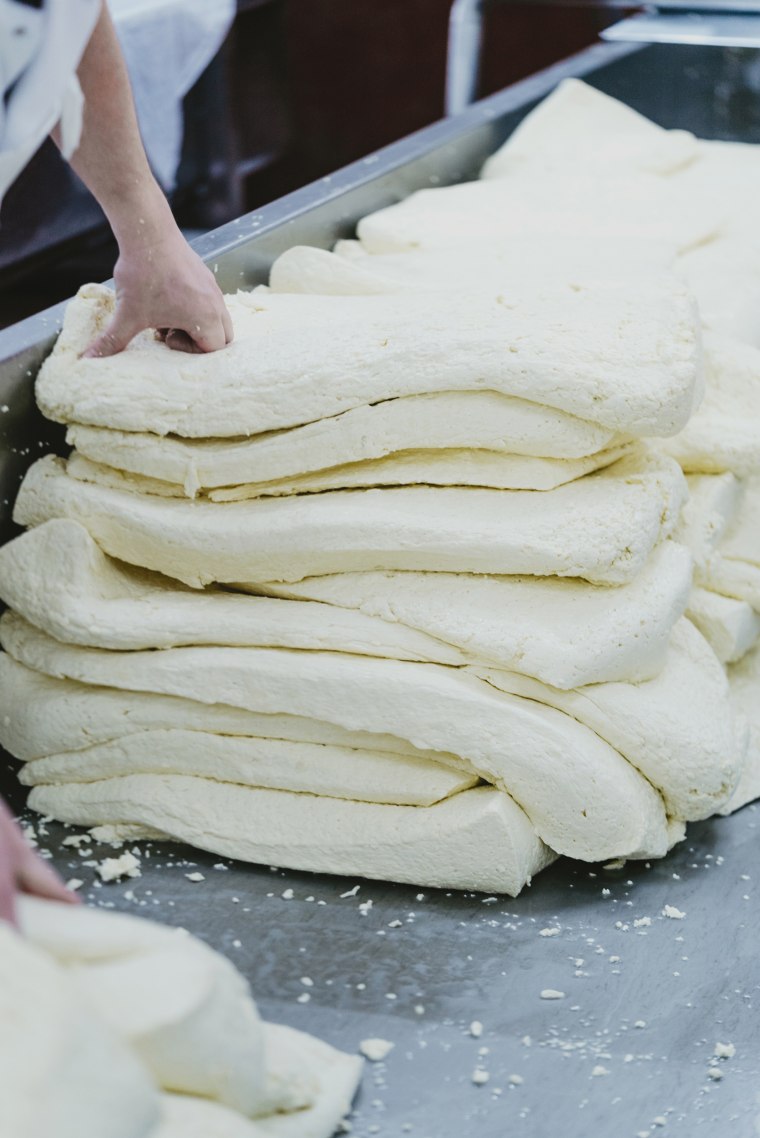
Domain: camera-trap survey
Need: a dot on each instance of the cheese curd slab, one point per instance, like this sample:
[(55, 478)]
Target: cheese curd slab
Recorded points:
[(513, 266), (627, 358), (565, 632), (448, 420), (41, 715), (677, 729), (305, 768), (581, 796), (577, 123), (62, 1071), (602, 528), (724, 433)]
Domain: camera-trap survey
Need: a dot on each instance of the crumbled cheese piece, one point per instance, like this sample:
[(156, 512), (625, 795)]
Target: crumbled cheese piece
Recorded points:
[(195, 876), (395, 924), (551, 994), (516, 1080), (598, 1071), (74, 883), (376, 1049), (350, 892), (724, 1051), (303, 998), (365, 907), (287, 895), (640, 1023), (674, 913), (642, 922), (480, 1077), (112, 868), (476, 1029), (307, 981), (714, 1073), (554, 931), (419, 1009)]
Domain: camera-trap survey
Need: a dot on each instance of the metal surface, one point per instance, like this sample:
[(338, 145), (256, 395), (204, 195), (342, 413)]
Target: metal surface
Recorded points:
[(460, 958), (457, 958), (701, 28)]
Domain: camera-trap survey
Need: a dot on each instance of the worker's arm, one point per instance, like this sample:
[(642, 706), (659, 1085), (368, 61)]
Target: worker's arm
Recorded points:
[(160, 282), (23, 871)]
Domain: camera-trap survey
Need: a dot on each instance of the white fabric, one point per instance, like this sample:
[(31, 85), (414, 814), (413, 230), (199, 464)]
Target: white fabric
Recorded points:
[(167, 44), (47, 90)]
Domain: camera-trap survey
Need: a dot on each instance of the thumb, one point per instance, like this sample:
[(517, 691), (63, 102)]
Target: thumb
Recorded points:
[(115, 338)]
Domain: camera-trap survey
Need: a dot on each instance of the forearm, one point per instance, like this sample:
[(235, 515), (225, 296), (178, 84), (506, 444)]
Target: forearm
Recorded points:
[(160, 282), (110, 158)]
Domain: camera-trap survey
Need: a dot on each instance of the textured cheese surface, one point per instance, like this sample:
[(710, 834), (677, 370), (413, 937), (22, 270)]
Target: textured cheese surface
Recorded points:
[(41, 715), (297, 1057), (602, 528), (480, 468), (62, 1072), (677, 729), (58, 579), (741, 540), (731, 627), (510, 266), (306, 768), (448, 420), (477, 840), (627, 358), (724, 434), (542, 203), (188, 1015), (744, 682), (724, 277), (565, 632), (436, 468), (184, 1009), (582, 797), (578, 124), (707, 513)]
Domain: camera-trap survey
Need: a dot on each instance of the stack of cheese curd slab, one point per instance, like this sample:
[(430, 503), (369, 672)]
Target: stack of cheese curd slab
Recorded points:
[(389, 586), (116, 1027), (431, 241)]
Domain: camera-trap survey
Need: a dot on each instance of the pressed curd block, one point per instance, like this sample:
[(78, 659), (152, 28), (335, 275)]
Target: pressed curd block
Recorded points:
[(477, 840), (578, 123), (478, 468), (582, 796), (510, 266), (724, 277), (731, 627), (42, 716), (678, 729), (58, 579), (435, 468), (602, 528), (189, 1016), (565, 632), (62, 1071), (544, 203), (306, 768), (447, 420), (744, 678), (724, 433), (627, 358)]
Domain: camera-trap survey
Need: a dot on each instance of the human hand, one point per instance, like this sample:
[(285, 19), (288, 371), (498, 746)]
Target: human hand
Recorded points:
[(163, 284), (24, 871)]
